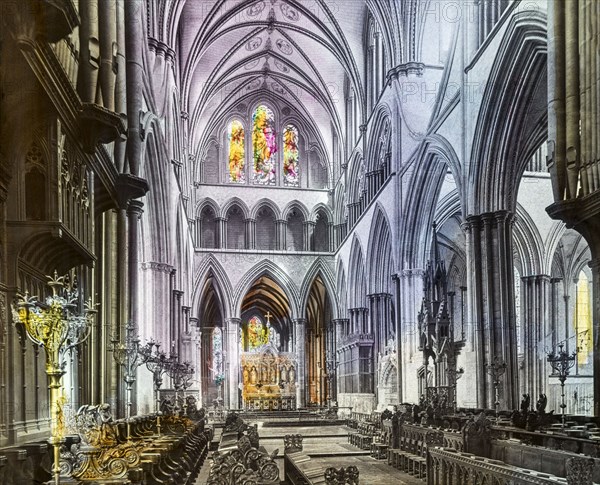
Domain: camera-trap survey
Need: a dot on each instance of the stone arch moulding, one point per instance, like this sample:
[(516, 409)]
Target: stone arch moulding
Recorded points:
[(210, 266), (319, 268), (273, 271)]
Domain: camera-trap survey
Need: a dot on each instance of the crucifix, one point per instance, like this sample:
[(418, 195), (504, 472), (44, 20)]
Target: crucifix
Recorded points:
[(268, 316)]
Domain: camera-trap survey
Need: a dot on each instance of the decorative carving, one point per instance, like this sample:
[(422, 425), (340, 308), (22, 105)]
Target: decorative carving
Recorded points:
[(289, 12), (580, 470), (284, 46), (341, 476), (256, 9), (281, 66), (254, 44), (292, 443)]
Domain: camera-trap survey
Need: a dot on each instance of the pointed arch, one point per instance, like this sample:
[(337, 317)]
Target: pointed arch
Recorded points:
[(319, 268), (342, 291), (528, 243), (264, 202), (357, 281), (211, 267), (380, 249), (272, 270), (207, 202), (297, 205), (235, 201), (505, 134)]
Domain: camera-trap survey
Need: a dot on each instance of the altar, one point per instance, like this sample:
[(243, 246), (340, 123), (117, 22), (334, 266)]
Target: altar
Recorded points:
[(269, 380), (268, 374)]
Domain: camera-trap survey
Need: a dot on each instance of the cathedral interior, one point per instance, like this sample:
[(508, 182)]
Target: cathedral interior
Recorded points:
[(365, 231)]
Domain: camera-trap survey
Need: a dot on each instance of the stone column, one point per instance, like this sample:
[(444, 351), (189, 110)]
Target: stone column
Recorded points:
[(233, 362), (281, 225), (222, 233), (490, 273), (331, 237), (536, 304), (250, 233), (300, 331), (308, 239)]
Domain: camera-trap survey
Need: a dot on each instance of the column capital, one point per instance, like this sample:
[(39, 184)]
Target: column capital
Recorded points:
[(135, 208), (155, 266), (234, 321), (195, 322), (186, 309), (300, 321), (250, 220), (178, 294), (281, 221), (594, 265)]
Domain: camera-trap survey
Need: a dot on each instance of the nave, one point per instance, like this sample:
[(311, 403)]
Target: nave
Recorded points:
[(366, 228)]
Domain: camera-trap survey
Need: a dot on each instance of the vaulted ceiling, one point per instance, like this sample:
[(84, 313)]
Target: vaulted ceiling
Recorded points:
[(299, 52)]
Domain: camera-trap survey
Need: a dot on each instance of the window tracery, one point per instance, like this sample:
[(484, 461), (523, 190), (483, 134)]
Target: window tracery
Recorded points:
[(235, 136), (264, 145)]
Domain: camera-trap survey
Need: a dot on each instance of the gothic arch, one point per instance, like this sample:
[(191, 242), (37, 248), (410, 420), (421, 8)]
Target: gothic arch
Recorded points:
[(318, 268), (211, 267), (528, 243), (380, 249), (207, 202), (382, 120), (356, 277), (235, 201), (497, 158), (342, 291), (154, 219), (419, 212), (265, 203), (295, 204), (321, 207), (277, 274)]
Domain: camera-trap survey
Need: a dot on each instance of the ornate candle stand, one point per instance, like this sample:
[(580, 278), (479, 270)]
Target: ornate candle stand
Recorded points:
[(178, 372), (561, 363), (156, 362), (454, 375), (496, 370), (58, 324), (186, 382), (130, 357)]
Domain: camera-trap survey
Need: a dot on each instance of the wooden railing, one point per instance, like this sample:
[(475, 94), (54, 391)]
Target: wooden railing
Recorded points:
[(450, 467)]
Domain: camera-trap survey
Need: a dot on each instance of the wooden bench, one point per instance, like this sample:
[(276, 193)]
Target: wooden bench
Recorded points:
[(411, 455)]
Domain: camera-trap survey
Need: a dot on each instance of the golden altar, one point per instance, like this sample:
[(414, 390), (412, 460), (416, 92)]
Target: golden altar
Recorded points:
[(269, 379)]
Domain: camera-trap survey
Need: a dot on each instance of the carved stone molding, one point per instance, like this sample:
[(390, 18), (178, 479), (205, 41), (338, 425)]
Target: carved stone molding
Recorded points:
[(159, 267)]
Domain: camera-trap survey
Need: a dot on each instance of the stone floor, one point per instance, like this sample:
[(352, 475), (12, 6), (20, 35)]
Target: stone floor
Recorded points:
[(328, 445)]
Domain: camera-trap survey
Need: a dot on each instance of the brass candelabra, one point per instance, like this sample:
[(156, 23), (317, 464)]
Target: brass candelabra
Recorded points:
[(157, 363), (181, 373), (561, 363), (130, 356), (496, 370), (58, 324)]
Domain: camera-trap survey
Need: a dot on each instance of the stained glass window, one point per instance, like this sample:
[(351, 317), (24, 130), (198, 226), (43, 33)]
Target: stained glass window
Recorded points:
[(217, 352), (264, 143), (258, 333), (235, 135), (290, 156), (583, 320)]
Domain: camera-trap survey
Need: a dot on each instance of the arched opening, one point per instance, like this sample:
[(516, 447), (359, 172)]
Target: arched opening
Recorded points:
[(320, 346), (236, 228), (207, 228), (268, 368), (295, 231), (321, 233), (266, 229), (212, 367), (35, 203)]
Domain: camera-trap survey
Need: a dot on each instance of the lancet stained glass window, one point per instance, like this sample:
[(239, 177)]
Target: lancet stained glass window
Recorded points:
[(264, 144), (217, 344), (235, 136), (290, 156), (258, 333)]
